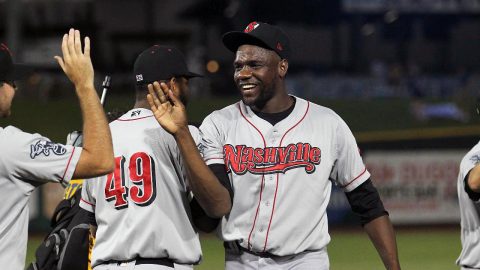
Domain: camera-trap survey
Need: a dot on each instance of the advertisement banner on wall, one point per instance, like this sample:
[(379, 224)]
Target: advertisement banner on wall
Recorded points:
[(417, 186)]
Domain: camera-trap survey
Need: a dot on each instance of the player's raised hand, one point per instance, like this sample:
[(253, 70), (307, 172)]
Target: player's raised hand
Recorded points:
[(76, 63), (166, 107)]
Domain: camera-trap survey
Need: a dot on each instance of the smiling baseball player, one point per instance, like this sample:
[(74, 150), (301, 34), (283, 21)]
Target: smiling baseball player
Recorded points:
[(277, 156)]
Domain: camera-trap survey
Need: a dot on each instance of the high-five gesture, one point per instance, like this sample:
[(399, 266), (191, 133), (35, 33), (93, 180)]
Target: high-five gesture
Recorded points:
[(167, 108), (97, 154), (76, 63)]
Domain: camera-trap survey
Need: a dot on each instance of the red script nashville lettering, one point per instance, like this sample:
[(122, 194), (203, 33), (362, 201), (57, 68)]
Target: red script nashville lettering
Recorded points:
[(242, 159)]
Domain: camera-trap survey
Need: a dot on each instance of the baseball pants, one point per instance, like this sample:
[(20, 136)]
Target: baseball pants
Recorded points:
[(309, 260)]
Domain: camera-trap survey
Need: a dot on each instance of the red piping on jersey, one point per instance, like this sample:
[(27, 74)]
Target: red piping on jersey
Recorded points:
[(68, 164), (364, 170), (263, 177), (134, 118), (89, 203), (278, 176)]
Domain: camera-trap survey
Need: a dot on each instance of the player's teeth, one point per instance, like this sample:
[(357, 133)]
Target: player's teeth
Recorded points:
[(248, 86)]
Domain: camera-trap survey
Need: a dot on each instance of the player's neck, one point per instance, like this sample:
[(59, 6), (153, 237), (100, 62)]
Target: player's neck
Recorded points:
[(141, 104), (276, 104)]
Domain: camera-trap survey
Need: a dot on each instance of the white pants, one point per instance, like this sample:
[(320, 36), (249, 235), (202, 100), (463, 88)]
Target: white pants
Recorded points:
[(131, 266), (309, 260)]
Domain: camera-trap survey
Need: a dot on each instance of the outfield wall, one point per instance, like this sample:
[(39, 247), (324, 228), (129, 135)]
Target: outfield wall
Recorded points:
[(415, 173)]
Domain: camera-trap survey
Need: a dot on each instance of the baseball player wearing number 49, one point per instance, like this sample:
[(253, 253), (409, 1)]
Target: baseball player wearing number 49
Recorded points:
[(29, 160), (277, 155), (143, 213), (468, 188)]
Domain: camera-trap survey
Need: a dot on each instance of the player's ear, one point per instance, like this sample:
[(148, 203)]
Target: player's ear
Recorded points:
[(173, 83), (283, 68)]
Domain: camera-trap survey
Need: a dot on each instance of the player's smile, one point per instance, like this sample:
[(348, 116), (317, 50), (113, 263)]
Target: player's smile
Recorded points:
[(248, 89)]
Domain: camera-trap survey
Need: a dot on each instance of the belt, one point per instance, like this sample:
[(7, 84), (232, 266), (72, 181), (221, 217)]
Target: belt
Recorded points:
[(235, 247), (161, 261), (468, 267)]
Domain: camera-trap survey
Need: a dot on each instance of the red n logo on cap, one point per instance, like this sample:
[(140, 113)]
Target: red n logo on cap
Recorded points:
[(250, 27)]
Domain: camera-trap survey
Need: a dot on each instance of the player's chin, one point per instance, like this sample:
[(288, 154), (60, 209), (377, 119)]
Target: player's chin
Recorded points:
[(249, 100), (249, 97)]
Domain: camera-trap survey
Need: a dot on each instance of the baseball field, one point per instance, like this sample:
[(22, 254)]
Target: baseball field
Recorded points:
[(419, 249)]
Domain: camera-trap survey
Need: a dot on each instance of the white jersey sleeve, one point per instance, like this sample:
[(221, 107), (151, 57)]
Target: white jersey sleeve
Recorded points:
[(212, 139), (349, 171), (88, 200), (195, 134), (33, 157)]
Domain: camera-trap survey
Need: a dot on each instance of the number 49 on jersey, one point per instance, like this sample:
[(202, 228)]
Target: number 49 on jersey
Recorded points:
[(139, 184)]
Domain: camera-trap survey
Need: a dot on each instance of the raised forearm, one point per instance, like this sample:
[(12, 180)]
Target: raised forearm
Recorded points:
[(382, 235), (97, 156), (209, 192)]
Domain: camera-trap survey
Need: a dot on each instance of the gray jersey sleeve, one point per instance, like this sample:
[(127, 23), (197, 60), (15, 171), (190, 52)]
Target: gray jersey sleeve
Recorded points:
[(211, 145), (470, 160), (88, 200), (349, 171), (32, 157)]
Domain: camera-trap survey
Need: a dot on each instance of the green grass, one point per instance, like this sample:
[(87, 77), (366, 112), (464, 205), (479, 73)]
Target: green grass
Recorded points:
[(420, 249)]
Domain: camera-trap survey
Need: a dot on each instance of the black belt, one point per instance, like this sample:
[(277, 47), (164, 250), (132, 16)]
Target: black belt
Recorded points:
[(468, 267), (235, 247), (162, 261)]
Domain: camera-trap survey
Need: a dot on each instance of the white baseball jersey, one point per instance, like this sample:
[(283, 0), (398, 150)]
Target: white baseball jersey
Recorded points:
[(142, 208), (26, 162), (469, 212), (281, 175)]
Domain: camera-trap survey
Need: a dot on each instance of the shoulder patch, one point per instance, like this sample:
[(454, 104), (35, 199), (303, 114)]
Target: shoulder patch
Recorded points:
[(46, 147), (475, 159)]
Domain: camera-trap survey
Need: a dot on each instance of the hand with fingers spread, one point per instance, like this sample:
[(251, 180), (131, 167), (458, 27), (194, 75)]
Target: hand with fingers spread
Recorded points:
[(76, 64), (167, 108)]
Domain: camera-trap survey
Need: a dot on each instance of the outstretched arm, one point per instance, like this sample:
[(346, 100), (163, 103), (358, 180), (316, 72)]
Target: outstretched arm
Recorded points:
[(97, 155), (380, 231), (170, 113)]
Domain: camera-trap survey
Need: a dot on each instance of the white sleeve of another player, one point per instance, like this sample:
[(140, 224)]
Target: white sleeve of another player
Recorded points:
[(33, 157), (211, 145), (471, 159), (195, 132), (349, 171), (88, 200)]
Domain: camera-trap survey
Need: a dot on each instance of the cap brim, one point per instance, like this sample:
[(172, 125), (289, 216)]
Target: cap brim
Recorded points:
[(234, 39), (19, 71), (192, 75)]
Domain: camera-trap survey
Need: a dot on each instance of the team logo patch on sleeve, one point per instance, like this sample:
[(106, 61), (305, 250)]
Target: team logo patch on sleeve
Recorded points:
[(45, 148), (475, 159)]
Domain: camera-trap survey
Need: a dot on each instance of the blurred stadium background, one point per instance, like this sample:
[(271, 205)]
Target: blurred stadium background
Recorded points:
[(404, 74)]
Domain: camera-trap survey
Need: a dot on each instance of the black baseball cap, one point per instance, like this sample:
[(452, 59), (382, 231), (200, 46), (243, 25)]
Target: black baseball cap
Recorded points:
[(10, 71), (161, 63), (260, 34)]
